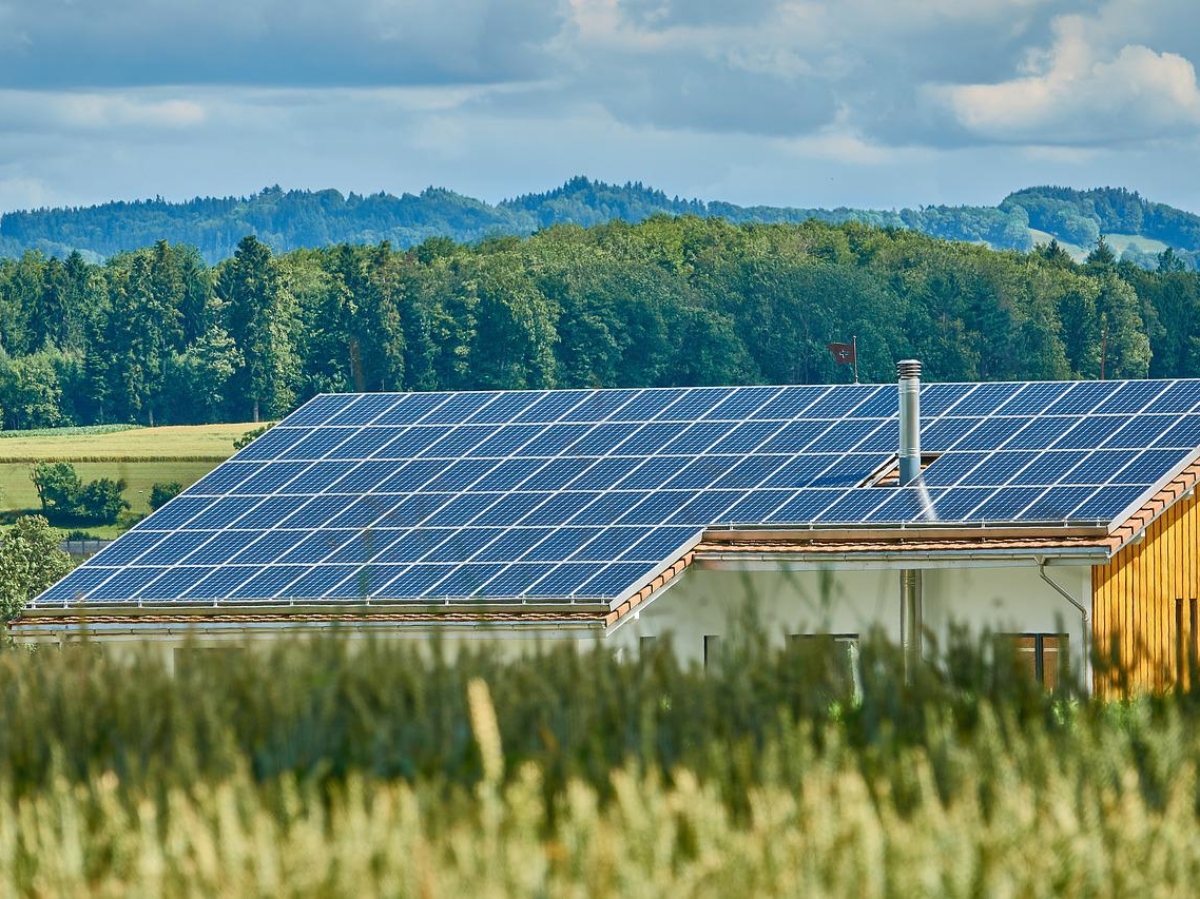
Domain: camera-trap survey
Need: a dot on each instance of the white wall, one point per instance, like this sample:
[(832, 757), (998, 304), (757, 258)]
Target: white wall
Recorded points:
[(1008, 599)]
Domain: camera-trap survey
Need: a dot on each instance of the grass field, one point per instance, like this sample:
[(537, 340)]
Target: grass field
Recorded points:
[(334, 768), (142, 457), (200, 443), (1118, 243)]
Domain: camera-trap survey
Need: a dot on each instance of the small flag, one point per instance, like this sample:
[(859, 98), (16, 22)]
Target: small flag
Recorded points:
[(843, 353)]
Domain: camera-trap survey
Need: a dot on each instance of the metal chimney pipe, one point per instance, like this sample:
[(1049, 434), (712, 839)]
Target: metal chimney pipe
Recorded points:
[(909, 371)]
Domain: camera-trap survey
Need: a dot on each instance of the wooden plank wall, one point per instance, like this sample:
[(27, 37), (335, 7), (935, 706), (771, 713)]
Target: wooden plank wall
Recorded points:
[(1142, 605)]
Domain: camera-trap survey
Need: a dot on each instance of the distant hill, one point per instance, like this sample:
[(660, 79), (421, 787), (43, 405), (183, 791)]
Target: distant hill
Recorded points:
[(288, 220)]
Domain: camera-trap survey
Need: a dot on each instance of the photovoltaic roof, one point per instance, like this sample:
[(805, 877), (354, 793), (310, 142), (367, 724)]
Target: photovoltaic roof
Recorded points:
[(581, 495)]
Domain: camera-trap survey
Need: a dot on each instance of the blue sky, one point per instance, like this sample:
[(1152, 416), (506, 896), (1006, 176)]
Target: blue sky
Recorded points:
[(878, 103)]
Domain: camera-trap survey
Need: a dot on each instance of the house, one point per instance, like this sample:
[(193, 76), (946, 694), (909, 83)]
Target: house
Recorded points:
[(1060, 515)]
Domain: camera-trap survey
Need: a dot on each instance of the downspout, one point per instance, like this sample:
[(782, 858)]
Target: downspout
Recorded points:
[(911, 623), (1085, 618)]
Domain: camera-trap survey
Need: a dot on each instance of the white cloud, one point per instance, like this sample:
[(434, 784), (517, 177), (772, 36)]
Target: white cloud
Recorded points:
[(1080, 92)]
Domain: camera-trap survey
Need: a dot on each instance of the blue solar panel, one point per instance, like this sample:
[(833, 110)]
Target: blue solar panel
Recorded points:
[(505, 407), (804, 507), (269, 547), (750, 472), (791, 403), (220, 549), (742, 403), (272, 443), (460, 440), (1106, 503), (653, 473), (319, 581), (758, 506), (610, 507), (461, 510), (1047, 468), (984, 399), (552, 406), (369, 442), (903, 504), (557, 474), (225, 478), (1035, 399), (363, 477), (853, 506), (945, 433), (1055, 505), (363, 410), (560, 508), (173, 583), (1000, 468), (605, 472), (316, 445), (555, 494), (707, 508), (841, 402), (77, 584), (458, 475), (127, 549), (565, 579), (458, 406), (560, 544), (269, 582), (1182, 396), (270, 478), (600, 405), (695, 404), (1185, 434), (172, 548), (414, 408), (950, 469), (795, 437), (414, 545), (317, 477), (613, 579), (656, 508)]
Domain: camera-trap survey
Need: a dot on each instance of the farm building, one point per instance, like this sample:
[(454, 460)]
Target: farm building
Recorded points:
[(1058, 515)]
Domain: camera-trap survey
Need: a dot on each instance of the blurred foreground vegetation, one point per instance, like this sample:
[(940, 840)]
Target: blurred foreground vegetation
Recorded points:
[(337, 768)]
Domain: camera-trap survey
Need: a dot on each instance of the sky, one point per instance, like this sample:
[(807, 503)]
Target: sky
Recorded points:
[(861, 103)]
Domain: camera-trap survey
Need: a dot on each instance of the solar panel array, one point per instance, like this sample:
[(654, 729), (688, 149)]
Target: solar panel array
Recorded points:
[(581, 495)]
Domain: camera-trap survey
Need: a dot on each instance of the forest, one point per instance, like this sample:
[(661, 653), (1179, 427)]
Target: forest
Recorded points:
[(299, 219), (157, 336)]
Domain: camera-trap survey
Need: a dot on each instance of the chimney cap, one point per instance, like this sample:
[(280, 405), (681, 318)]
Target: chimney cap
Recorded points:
[(909, 368)]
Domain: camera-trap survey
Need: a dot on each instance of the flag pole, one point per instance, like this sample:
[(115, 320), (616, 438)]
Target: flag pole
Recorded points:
[(854, 355)]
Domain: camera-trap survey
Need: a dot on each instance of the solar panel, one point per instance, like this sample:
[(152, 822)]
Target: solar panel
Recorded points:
[(556, 495)]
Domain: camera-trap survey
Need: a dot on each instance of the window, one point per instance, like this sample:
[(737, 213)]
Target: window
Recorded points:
[(1042, 657), (831, 659), (1185, 640), (712, 650)]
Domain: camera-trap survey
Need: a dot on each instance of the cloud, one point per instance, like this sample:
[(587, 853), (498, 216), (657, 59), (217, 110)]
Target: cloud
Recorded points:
[(1080, 93), (63, 44)]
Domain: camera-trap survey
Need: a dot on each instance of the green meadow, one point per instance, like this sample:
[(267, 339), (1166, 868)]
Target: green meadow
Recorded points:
[(141, 457)]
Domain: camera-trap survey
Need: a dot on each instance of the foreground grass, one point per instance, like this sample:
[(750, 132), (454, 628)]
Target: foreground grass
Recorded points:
[(322, 769)]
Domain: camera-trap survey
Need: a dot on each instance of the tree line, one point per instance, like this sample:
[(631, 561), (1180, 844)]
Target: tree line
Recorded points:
[(157, 336), (296, 219)]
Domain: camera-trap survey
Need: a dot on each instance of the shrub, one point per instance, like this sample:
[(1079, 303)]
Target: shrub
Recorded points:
[(161, 494), (250, 436), (101, 501), (65, 497)]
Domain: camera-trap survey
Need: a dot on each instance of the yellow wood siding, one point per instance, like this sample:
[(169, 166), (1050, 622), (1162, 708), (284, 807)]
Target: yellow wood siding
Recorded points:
[(1142, 604)]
